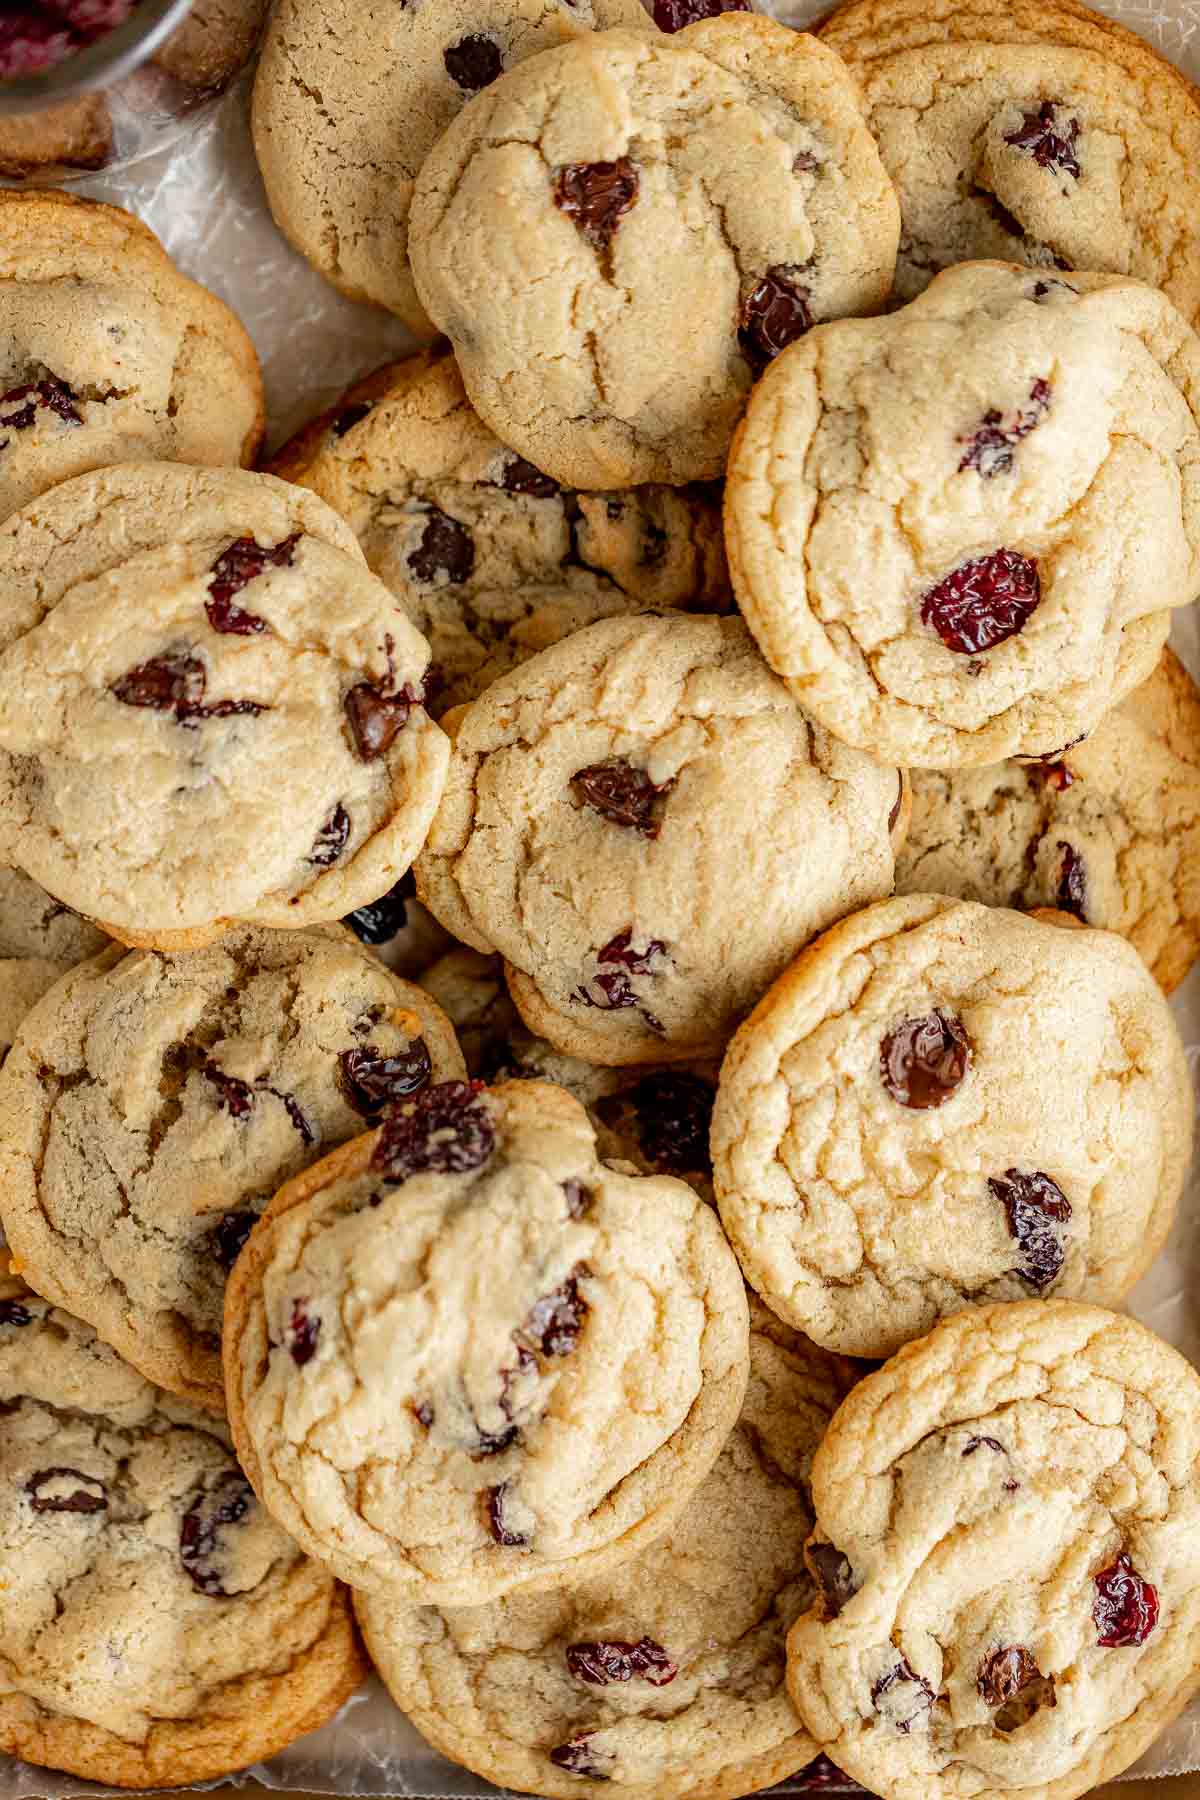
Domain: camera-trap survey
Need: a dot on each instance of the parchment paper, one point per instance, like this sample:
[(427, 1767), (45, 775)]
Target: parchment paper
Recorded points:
[(205, 200)]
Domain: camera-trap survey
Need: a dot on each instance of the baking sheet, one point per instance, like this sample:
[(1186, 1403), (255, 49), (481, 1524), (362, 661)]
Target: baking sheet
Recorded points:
[(205, 200)]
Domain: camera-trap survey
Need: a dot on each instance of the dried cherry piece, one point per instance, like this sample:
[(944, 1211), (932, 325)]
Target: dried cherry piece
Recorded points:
[(990, 446), (577, 1758), (616, 961), (228, 1237), (447, 1129), (446, 549), (201, 1549), (1126, 1605), (596, 196), (774, 314), (1034, 1206), (674, 1113), (233, 1096), (371, 1080), (66, 1491), (901, 1708), (380, 920), (521, 477), (831, 1570), (1051, 144), (16, 1313), (621, 794), (303, 1334), (673, 15), (237, 566), (171, 683), (612, 1659), (49, 393), (984, 601), (503, 1533), (331, 840), (1072, 893), (922, 1061), (90, 17), (557, 1319), (377, 719), (423, 1413), (30, 43), (474, 62)]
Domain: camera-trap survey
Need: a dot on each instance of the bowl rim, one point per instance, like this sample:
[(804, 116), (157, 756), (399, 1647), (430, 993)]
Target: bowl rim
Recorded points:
[(98, 65)]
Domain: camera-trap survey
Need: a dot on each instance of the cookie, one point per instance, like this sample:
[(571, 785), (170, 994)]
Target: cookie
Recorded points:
[(648, 829), (74, 136), (210, 711), (402, 933), (1008, 1540), (153, 1104), (158, 1628), (1109, 831), (40, 940), (656, 1120), (957, 532), (1036, 131), (665, 1676), (107, 353), (489, 558), (213, 43), (673, 210), (348, 102), (943, 1104), (462, 1356)]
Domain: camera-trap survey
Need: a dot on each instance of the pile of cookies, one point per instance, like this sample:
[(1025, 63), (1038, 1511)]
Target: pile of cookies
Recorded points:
[(631, 874)]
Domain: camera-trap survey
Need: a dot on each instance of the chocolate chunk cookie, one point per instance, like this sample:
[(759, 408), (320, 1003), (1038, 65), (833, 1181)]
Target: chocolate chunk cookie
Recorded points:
[(663, 1677), (676, 209), (957, 533), (158, 1628), (488, 557), (152, 1105), (1109, 830), (463, 1356), (108, 354), (943, 1104), (1008, 1540), (210, 711), (349, 100), (40, 940), (1034, 131), (648, 829)]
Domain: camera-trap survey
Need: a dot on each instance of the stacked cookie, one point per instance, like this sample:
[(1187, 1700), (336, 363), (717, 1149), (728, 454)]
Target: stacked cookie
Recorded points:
[(637, 868)]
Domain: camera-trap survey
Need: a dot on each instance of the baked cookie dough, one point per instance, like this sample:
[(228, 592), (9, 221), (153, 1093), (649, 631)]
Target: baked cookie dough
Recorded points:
[(943, 1104), (40, 940), (619, 235), (957, 532), (463, 1356), (153, 1104), (1008, 1543)]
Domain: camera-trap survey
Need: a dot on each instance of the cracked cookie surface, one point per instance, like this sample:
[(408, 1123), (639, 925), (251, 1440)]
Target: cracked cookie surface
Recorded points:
[(1034, 132), (463, 1356), (1109, 831), (158, 1627), (943, 1104), (665, 1676), (937, 522), (648, 829), (108, 354), (1008, 1534), (210, 710), (153, 1104), (351, 96), (489, 558), (675, 210), (40, 940)]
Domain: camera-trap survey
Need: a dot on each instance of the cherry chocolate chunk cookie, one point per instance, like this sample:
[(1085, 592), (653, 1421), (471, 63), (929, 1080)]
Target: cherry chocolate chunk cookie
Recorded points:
[(1108, 831), (957, 532), (465, 1356), (210, 711), (489, 558), (108, 353), (1032, 130), (664, 1677), (943, 1104), (349, 100), (153, 1104), (40, 941), (1008, 1548), (673, 210), (648, 829), (158, 1628)]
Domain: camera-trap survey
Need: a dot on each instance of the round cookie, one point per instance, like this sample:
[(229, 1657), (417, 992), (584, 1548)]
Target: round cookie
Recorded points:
[(489, 558), (1109, 831), (957, 532), (1008, 1540), (688, 204), (402, 933), (348, 102), (210, 711), (40, 940), (158, 1628), (648, 829), (213, 43), (943, 1104), (1033, 131), (463, 1356), (75, 136), (665, 1676), (108, 353), (152, 1105)]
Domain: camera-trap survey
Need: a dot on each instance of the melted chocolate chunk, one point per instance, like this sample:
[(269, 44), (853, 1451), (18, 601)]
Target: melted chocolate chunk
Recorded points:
[(371, 1081), (923, 1060), (621, 794), (903, 1708), (494, 1509), (15, 1313), (1072, 893), (331, 839), (984, 601), (1003, 1673), (1035, 1206), (833, 1575), (380, 920), (473, 63), (446, 552), (520, 477), (202, 1547), (596, 196), (66, 1491), (229, 1235), (577, 1757), (673, 15), (612, 1659), (557, 1319), (1050, 143), (176, 683), (243, 562), (774, 314), (377, 719), (447, 1129)]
